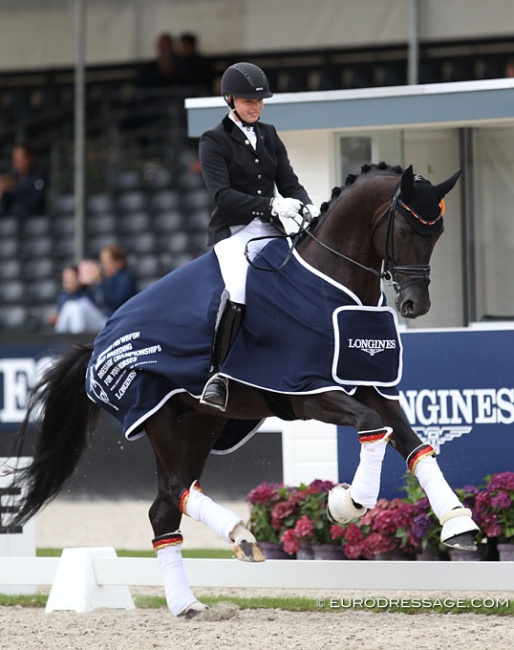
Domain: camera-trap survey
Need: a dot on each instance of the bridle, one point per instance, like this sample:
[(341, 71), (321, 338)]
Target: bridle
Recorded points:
[(416, 272)]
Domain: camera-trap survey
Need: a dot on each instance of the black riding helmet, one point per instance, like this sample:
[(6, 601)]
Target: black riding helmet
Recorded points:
[(244, 80)]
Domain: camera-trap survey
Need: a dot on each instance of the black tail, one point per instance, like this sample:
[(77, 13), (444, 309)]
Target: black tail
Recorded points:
[(60, 415)]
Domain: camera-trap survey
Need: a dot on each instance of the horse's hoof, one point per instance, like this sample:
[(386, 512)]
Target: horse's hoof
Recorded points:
[(340, 507), (463, 542), (193, 610), (248, 552), (459, 530)]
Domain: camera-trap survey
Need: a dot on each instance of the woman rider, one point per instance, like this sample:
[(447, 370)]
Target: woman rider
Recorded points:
[(252, 185)]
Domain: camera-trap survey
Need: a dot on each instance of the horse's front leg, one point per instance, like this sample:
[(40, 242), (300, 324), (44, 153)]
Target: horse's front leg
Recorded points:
[(458, 528), (347, 502), (181, 446)]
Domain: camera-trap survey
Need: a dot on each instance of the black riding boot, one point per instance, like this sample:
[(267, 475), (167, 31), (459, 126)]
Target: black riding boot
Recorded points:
[(228, 322)]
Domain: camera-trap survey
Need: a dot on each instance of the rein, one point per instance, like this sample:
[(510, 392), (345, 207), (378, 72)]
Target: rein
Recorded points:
[(417, 272)]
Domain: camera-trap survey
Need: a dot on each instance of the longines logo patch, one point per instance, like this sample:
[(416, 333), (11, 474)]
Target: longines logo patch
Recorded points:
[(372, 346)]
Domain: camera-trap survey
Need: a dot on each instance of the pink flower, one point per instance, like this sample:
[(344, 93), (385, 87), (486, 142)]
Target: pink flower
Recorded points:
[(353, 534), (280, 512), (337, 532), (501, 481), (265, 493), (290, 543), (501, 500), (304, 528)]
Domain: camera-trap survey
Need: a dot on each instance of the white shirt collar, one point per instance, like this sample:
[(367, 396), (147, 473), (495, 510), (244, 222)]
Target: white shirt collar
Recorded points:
[(249, 131)]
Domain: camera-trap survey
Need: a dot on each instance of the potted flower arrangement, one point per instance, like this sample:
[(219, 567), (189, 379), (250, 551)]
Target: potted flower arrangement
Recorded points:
[(381, 534), (494, 512), (425, 529), (264, 501), (310, 537), (389, 530)]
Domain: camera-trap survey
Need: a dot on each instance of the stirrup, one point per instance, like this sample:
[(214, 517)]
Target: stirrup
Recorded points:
[(215, 393)]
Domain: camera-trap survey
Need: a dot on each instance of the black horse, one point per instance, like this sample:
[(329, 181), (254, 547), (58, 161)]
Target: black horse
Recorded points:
[(382, 226)]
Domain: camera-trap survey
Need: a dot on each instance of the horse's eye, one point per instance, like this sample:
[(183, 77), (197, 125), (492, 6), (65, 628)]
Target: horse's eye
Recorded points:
[(402, 232)]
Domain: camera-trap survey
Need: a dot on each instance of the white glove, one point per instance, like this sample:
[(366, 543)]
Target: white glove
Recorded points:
[(311, 211), (288, 208)]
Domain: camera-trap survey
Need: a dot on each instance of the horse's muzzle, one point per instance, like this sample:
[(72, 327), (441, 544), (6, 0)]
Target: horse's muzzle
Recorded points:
[(411, 304)]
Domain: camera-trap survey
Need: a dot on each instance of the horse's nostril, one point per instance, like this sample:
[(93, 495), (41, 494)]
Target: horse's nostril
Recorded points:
[(407, 309)]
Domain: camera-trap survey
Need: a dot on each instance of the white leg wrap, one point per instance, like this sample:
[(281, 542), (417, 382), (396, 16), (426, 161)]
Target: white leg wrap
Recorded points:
[(179, 596), (442, 498), (366, 482), (202, 508)]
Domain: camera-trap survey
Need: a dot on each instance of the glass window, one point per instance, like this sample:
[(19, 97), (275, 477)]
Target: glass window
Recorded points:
[(493, 194)]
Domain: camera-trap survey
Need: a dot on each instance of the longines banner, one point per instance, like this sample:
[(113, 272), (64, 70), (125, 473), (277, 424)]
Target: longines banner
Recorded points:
[(457, 390), (19, 367)]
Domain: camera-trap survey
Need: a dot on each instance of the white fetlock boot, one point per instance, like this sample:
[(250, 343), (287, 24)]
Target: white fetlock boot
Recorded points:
[(340, 507)]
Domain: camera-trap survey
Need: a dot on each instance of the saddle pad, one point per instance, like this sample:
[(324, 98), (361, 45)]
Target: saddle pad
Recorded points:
[(305, 333)]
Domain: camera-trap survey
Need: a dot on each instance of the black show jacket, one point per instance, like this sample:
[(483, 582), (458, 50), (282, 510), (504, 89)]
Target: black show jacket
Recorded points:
[(240, 179)]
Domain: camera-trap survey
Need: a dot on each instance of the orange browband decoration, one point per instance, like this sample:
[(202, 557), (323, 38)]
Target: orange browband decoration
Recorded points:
[(416, 215)]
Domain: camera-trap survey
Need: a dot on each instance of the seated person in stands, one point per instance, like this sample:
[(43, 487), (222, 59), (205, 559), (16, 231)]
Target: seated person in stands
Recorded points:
[(193, 69), (76, 310), (162, 71), (118, 283), (22, 194)]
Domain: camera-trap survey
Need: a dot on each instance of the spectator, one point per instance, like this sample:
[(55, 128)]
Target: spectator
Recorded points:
[(162, 71), (118, 284), (509, 68), (193, 69), (22, 194), (76, 311)]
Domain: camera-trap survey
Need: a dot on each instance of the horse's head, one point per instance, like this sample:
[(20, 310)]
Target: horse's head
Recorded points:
[(406, 234)]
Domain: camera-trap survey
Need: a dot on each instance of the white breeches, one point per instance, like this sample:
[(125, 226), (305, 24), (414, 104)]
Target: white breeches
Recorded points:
[(232, 260)]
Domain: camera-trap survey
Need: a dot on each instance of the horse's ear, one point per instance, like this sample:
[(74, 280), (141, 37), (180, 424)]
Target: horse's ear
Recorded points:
[(447, 185), (407, 183)]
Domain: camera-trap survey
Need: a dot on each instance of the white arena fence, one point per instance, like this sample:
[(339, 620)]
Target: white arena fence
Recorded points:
[(84, 579)]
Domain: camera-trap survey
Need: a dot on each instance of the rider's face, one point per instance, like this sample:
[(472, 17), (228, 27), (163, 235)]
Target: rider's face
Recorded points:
[(248, 110)]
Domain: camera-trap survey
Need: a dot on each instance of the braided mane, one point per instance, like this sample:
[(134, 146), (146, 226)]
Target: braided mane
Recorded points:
[(366, 170)]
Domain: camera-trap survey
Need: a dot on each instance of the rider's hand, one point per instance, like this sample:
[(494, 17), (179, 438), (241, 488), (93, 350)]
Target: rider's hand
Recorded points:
[(285, 208), (311, 211)]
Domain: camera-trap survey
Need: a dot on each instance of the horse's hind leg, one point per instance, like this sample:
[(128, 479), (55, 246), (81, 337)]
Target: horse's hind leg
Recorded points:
[(165, 519), (181, 447)]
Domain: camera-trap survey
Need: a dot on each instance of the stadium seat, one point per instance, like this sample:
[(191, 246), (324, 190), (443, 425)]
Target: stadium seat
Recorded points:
[(130, 179), (12, 292), (137, 222), (10, 269), (8, 226), (13, 316), (165, 200), (99, 203), (131, 201), (9, 247), (101, 224)]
